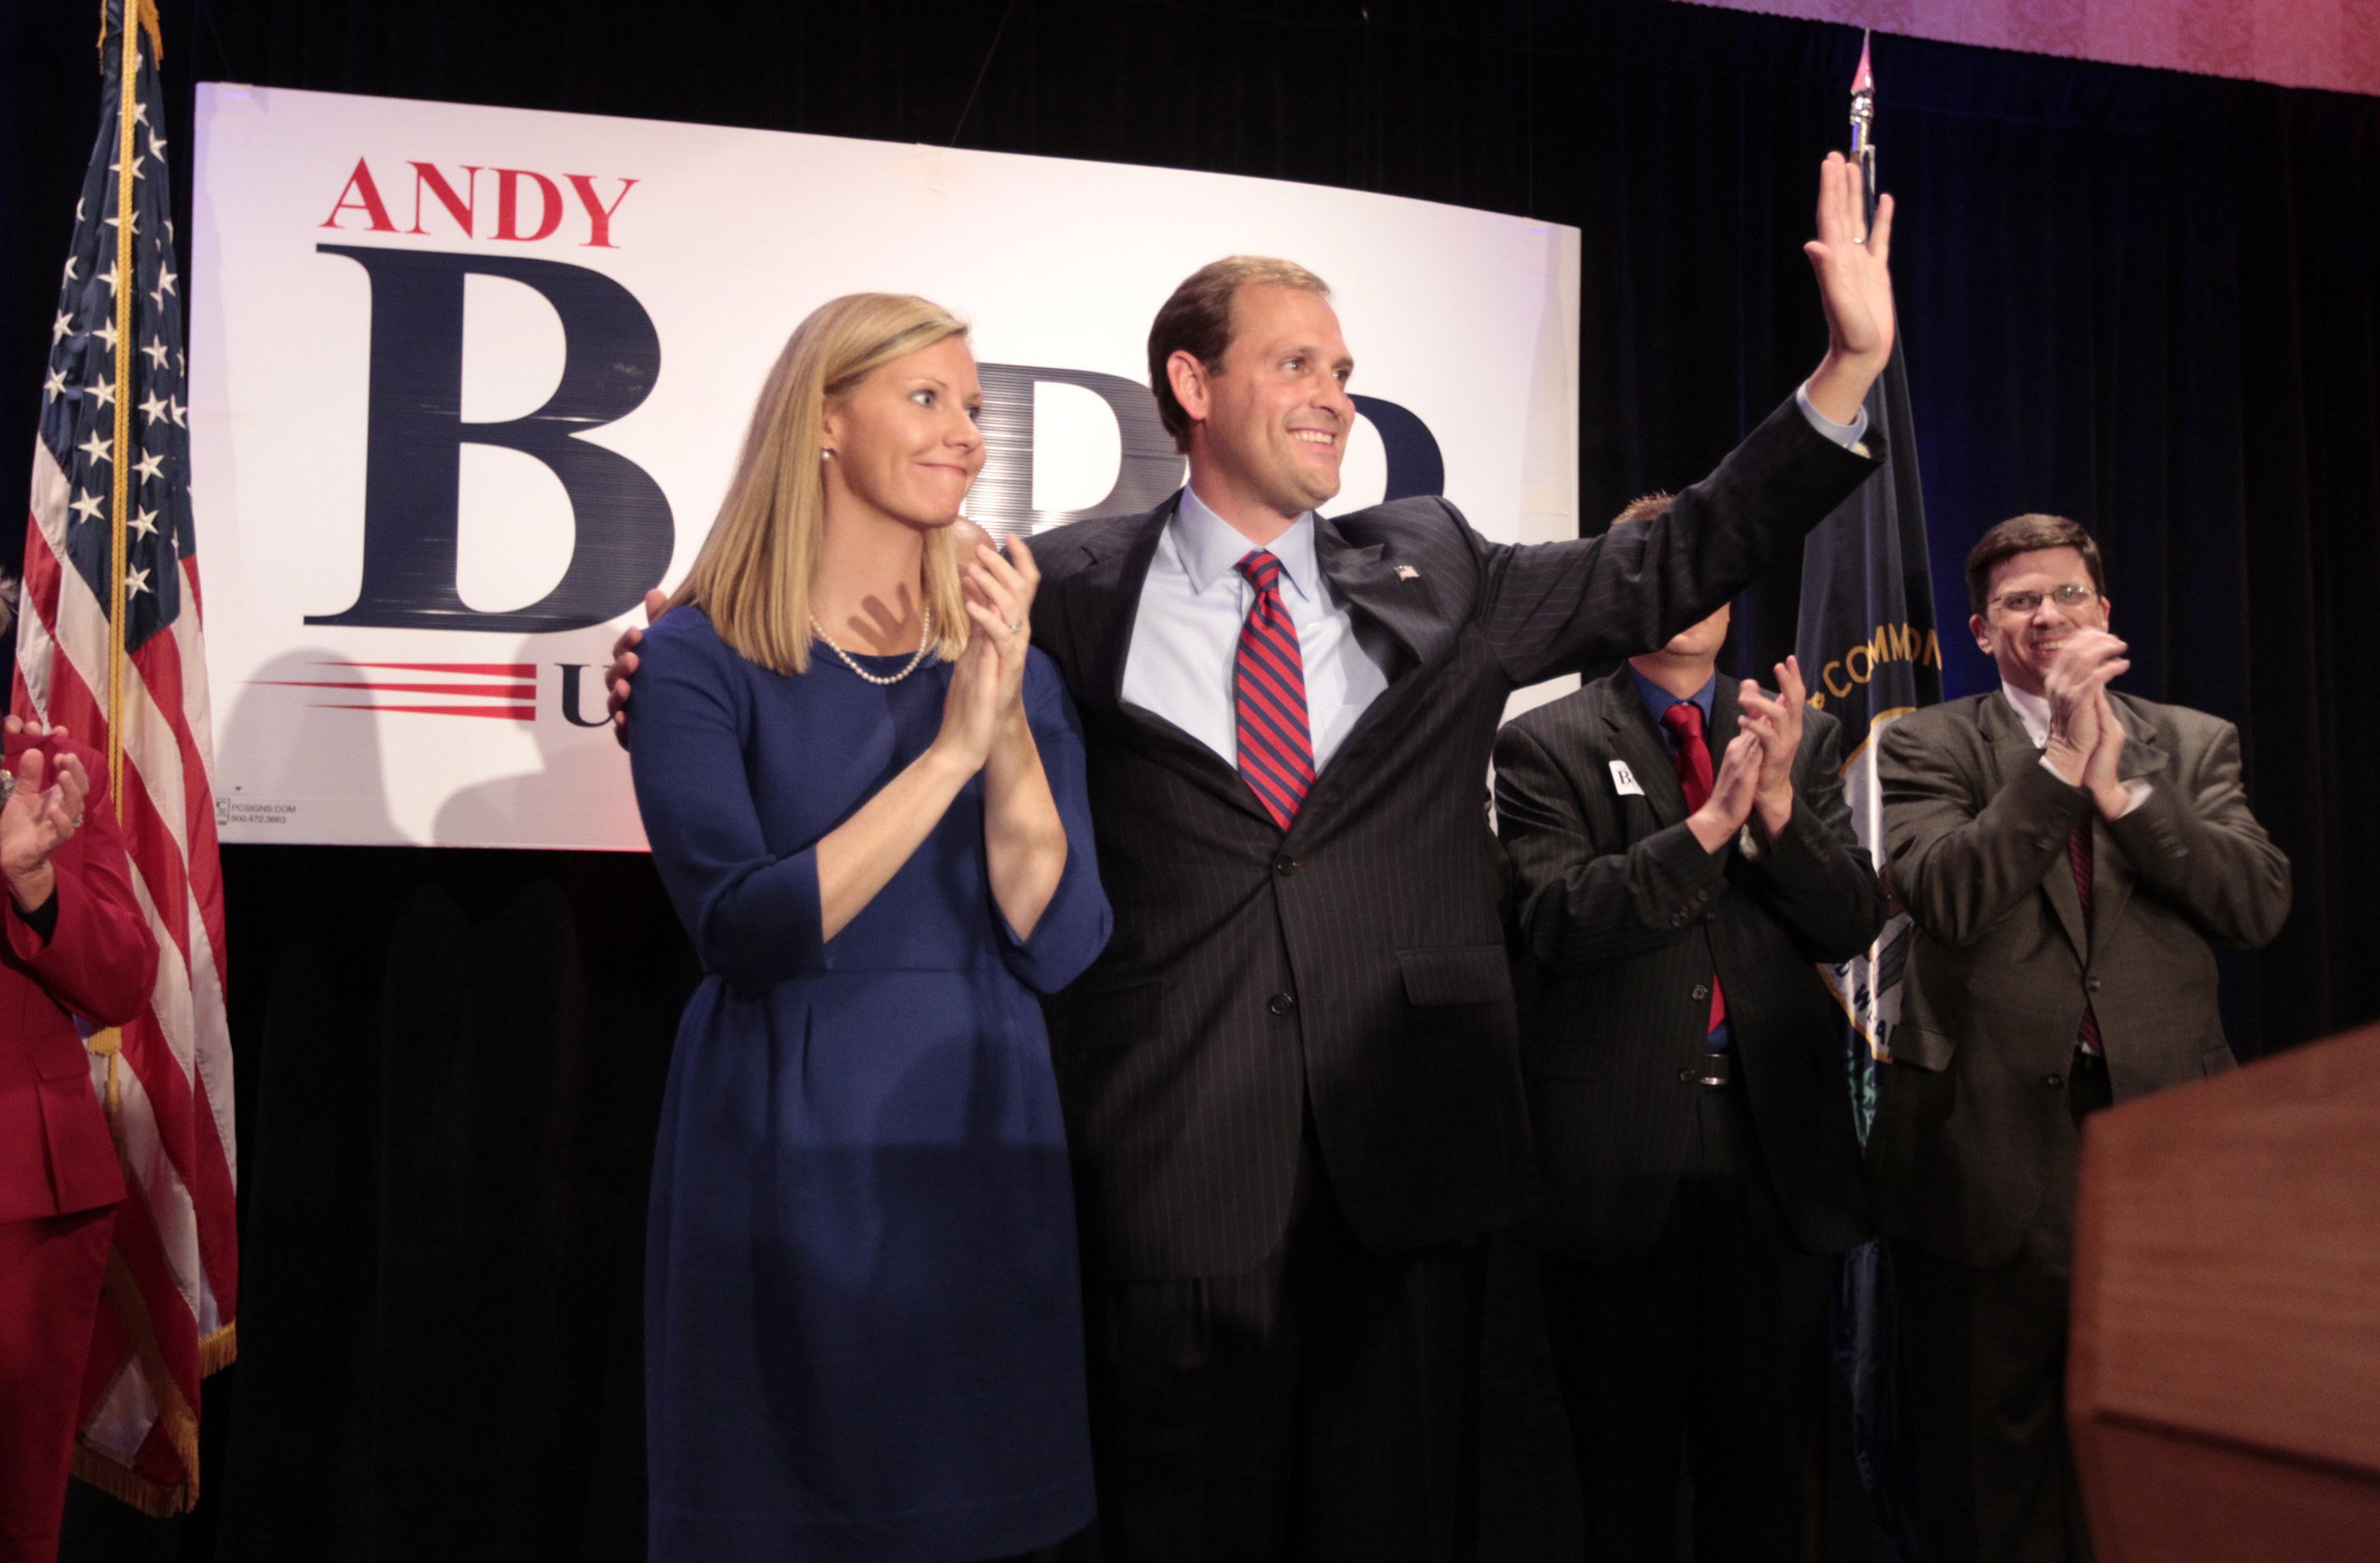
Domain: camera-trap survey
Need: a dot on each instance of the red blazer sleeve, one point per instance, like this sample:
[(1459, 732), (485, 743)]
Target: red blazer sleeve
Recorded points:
[(100, 960)]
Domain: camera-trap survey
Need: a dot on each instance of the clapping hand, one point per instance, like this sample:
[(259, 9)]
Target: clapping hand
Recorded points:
[(44, 811), (999, 600), (2077, 687), (1729, 805), (1778, 724)]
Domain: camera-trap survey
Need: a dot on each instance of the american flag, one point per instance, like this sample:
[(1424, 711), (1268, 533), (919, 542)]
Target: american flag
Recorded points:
[(112, 460)]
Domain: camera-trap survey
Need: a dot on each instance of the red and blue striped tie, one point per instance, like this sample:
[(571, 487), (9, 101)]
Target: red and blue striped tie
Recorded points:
[(1276, 753)]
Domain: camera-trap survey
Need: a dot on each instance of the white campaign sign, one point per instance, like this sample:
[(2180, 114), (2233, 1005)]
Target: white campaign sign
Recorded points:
[(466, 381)]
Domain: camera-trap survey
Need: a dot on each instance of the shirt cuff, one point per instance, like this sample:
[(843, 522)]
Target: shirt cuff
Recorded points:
[(1844, 434), (43, 919), (2136, 789)]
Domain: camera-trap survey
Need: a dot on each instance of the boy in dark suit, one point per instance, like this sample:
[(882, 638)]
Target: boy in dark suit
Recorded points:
[(1684, 858)]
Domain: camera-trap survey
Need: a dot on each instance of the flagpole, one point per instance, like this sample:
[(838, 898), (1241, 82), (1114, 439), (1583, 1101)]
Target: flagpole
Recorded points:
[(126, 280), (108, 1040), (1863, 133)]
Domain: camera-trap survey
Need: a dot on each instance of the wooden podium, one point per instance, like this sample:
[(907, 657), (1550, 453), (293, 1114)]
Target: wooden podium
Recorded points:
[(2223, 1388)]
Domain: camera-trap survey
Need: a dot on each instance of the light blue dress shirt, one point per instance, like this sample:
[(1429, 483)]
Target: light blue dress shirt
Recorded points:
[(1185, 642), (1185, 639)]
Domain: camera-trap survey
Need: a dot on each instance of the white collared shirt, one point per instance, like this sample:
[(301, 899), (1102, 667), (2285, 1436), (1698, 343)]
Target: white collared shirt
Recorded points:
[(1186, 641)]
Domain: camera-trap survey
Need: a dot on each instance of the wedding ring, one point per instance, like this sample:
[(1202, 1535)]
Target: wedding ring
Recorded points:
[(1015, 626), (76, 822)]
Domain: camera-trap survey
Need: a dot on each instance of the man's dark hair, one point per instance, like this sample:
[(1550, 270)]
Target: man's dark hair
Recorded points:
[(2022, 534), (1197, 320), (1644, 507)]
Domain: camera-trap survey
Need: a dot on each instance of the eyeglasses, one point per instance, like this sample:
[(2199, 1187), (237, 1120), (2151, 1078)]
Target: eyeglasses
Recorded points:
[(2069, 596)]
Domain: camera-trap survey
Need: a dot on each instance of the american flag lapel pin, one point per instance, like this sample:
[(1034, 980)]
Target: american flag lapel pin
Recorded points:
[(1406, 572)]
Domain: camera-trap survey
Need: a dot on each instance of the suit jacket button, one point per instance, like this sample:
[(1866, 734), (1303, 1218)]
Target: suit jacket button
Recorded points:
[(1702, 990), (1284, 865), (2092, 983), (2053, 1081), (1282, 1003), (1688, 1076)]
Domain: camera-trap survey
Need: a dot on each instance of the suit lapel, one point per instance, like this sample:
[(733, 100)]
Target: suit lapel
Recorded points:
[(1403, 609), (1628, 728), (2112, 877), (1400, 605), (2013, 749)]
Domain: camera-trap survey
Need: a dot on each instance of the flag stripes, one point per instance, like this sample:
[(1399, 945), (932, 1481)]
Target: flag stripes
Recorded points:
[(110, 645)]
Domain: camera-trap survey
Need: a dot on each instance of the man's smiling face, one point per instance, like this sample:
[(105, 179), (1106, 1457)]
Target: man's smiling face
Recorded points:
[(2023, 626), (1276, 415)]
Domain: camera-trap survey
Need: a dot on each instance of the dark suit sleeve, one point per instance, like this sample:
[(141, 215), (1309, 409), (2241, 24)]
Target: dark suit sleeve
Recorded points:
[(1815, 876), (100, 960), (1583, 905), (2194, 842), (1958, 863), (1560, 607)]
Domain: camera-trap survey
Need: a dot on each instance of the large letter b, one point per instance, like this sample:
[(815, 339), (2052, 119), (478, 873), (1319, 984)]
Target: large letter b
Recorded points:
[(414, 449)]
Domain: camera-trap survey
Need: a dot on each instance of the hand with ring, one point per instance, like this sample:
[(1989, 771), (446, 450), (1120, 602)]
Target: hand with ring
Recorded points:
[(45, 794), (999, 589)]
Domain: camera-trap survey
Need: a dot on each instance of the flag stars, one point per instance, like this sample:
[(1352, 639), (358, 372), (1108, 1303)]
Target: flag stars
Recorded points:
[(152, 465), (156, 407), (157, 351), (61, 328), (108, 276), (96, 449), (144, 523), (56, 385), (180, 421), (102, 391), (165, 281), (70, 276), (87, 506), (135, 583), (105, 332)]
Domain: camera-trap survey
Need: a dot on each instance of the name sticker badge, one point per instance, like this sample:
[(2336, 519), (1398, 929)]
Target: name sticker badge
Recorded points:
[(1623, 780)]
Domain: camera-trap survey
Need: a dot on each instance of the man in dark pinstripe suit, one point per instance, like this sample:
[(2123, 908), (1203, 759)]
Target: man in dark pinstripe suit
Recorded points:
[(1684, 1060), (1291, 1088)]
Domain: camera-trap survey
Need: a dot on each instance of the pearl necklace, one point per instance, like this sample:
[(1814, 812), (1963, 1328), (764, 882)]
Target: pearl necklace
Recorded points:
[(925, 642)]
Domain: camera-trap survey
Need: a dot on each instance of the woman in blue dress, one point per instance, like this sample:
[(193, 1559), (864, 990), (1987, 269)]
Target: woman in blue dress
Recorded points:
[(863, 1329)]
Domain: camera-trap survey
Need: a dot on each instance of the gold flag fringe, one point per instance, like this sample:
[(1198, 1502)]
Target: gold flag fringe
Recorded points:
[(219, 1351), (127, 1485)]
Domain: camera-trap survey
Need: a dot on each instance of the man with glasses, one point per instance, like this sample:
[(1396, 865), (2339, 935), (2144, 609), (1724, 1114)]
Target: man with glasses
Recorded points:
[(2066, 852)]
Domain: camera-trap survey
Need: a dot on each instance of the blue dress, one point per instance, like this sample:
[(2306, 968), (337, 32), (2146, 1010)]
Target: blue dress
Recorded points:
[(863, 1331)]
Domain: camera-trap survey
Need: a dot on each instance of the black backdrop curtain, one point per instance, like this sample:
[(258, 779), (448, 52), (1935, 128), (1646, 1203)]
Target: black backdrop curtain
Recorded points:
[(2145, 300)]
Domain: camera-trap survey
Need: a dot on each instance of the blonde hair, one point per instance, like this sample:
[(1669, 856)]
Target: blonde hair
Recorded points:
[(754, 572)]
